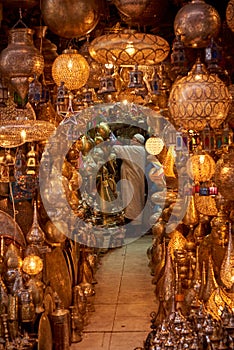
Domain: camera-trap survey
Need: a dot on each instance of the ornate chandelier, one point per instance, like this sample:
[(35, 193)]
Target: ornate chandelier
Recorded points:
[(199, 99), (129, 48)]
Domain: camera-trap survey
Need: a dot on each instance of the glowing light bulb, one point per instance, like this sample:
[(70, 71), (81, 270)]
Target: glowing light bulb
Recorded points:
[(70, 64), (23, 135), (130, 49), (202, 158)]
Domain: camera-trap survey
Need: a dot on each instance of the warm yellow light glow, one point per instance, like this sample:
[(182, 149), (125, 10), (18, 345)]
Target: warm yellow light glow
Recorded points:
[(23, 135), (70, 65), (202, 158), (130, 49), (32, 264), (70, 68)]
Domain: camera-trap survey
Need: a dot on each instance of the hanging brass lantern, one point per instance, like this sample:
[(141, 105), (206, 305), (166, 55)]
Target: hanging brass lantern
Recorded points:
[(197, 22), (224, 174), (200, 167), (70, 18), (230, 15), (199, 99), (21, 59), (129, 47), (70, 68)]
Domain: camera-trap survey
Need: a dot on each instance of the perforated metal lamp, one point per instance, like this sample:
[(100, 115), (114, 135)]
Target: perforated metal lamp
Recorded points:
[(71, 68), (199, 99), (129, 48)]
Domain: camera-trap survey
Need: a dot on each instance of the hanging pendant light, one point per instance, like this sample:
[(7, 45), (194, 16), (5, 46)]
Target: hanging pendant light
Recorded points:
[(70, 68), (199, 99), (129, 48), (197, 22), (21, 59)]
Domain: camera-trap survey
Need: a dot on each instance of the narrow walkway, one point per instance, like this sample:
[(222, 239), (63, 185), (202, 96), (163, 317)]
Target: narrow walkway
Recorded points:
[(123, 302)]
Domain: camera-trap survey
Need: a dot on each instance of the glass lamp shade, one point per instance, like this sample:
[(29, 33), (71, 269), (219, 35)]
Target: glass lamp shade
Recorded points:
[(32, 264), (200, 167), (129, 48), (199, 99), (70, 68), (197, 22), (230, 15)]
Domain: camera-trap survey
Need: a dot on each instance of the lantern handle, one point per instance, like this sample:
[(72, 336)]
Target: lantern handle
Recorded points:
[(19, 20)]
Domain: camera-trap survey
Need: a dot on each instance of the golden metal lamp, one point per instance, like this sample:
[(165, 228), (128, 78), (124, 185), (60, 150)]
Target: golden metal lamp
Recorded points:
[(21, 49), (230, 15), (197, 22), (70, 18), (71, 68), (200, 167), (199, 99), (129, 48)]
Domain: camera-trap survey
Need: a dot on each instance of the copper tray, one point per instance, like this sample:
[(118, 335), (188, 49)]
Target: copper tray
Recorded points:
[(9, 229), (56, 274)]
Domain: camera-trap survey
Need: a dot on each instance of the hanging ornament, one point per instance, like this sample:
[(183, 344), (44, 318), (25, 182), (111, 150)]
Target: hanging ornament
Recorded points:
[(20, 50), (200, 167), (199, 99), (227, 267), (136, 78), (70, 18), (35, 236), (178, 58), (35, 91), (197, 22), (191, 217), (70, 68)]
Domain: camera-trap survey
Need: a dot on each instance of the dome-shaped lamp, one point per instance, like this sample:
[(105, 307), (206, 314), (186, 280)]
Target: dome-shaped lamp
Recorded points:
[(199, 99), (71, 68), (129, 47)]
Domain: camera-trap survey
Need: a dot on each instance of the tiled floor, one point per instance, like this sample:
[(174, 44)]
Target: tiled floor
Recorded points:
[(123, 302)]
